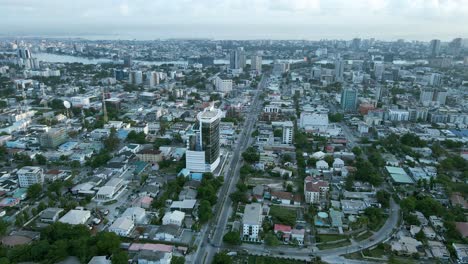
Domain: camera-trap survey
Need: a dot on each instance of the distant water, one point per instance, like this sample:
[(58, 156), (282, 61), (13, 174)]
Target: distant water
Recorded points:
[(57, 58)]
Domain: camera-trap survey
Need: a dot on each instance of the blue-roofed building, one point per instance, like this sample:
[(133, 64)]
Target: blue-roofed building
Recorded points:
[(67, 146), (460, 133), (184, 172), (20, 193), (178, 153), (122, 134), (197, 176), (140, 166)]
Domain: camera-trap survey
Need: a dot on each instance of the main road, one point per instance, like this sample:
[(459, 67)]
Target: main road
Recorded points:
[(211, 235)]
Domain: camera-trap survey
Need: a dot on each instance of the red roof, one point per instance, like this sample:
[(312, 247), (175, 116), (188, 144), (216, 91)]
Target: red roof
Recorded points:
[(458, 199), (282, 228), (462, 227), (314, 186)]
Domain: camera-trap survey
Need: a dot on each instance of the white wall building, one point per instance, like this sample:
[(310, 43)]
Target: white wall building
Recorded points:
[(29, 175), (122, 226), (173, 218), (223, 85), (252, 221), (314, 121), (288, 132)]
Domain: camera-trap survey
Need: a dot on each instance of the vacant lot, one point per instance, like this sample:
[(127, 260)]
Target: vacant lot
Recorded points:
[(283, 215)]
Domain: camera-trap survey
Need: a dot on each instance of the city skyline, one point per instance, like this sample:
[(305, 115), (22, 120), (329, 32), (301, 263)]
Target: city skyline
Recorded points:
[(258, 19)]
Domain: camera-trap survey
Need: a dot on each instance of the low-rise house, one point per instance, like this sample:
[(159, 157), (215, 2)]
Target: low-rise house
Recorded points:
[(338, 164), (322, 165), (50, 215), (137, 214), (429, 232), (186, 206), (150, 257), (461, 250), (406, 246), (122, 226), (173, 218), (76, 217), (298, 235), (462, 228), (168, 232), (100, 260), (284, 230), (187, 193), (438, 250), (437, 222), (150, 155)]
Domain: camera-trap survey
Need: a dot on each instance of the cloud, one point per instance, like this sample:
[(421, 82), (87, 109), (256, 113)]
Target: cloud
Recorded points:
[(357, 17)]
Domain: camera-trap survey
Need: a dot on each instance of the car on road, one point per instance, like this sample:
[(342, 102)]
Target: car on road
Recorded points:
[(281, 253)]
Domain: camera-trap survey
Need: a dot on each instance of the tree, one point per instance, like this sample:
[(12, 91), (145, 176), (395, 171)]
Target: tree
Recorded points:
[(357, 151), (3, 227), (34, 191), (112, 142), (40, 159), (204, 211), (138, 138), (120, 257), (251, 155), (232, 238), (420, 236), (107, 243), (383, 197), (178, 260), (222, 258), (271, 240)]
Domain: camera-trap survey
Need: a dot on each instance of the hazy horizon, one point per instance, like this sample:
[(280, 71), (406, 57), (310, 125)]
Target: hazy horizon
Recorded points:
[(237, 19)]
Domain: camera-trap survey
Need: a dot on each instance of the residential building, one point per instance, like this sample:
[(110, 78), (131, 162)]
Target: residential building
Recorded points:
[(173, 218), (252, 221), (339, 70), (256, 63), (223, 84), (122, 226), (288, 132), (75, 217), (315, 190), (29, 175)]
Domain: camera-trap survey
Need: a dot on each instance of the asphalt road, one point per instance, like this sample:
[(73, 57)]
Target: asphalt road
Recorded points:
[(207, 248)]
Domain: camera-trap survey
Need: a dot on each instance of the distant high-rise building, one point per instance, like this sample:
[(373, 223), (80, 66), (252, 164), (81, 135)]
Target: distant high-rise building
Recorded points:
[(440, 97), (152, 78), (426, 96), (280, 67), (135, 77), (119, 74), (356, 44), (127, 61), (455, 46), (288, 132), (237, 58), (434, 47), (436, 79), (256, 63), (339, 69), (24, 53), (203, 153), (378, 70), (349, 98)]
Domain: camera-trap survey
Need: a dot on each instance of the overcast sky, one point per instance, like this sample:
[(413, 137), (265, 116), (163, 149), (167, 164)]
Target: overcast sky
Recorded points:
[(237, 19)]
